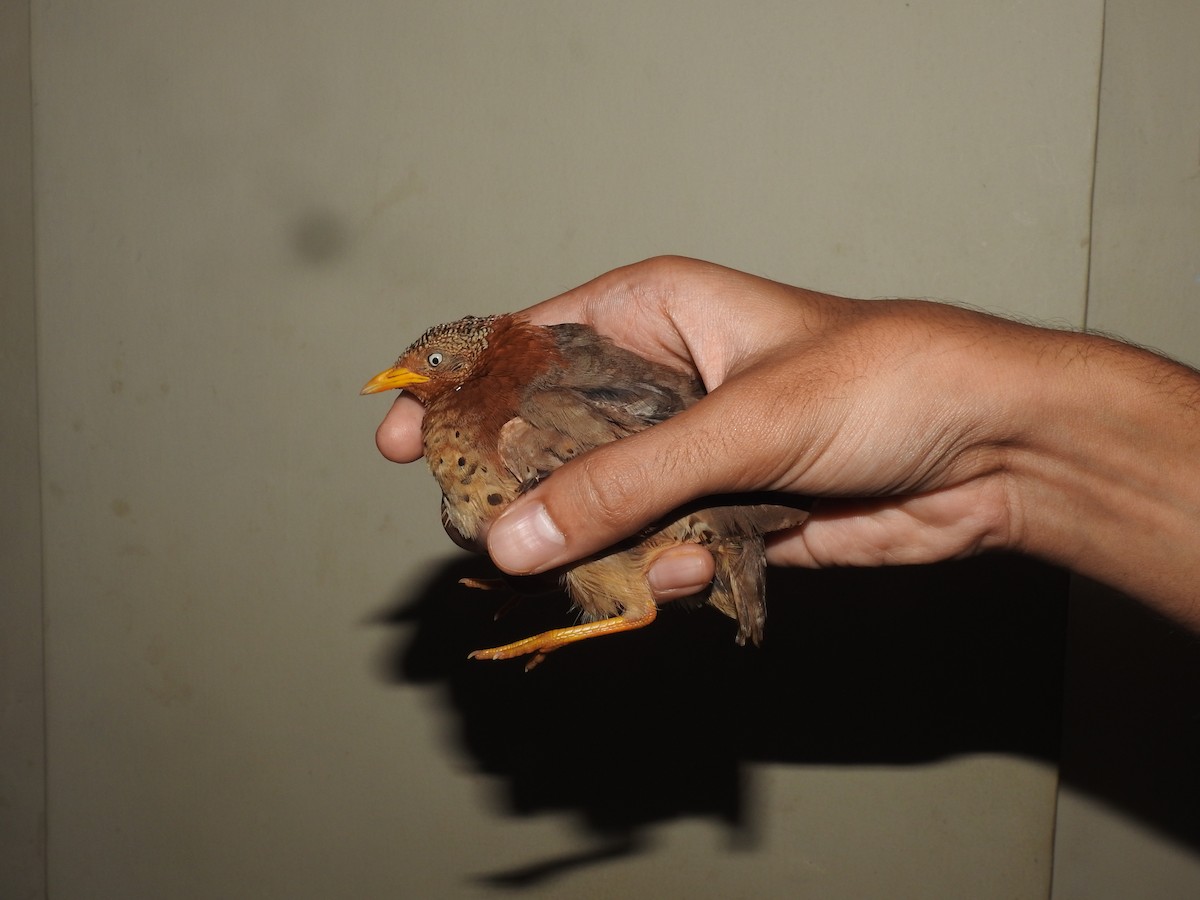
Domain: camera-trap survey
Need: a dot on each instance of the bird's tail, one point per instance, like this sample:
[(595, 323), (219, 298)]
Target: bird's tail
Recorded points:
[(739, 586)]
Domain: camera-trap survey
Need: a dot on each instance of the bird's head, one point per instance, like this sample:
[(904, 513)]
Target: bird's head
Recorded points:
[(438, 361)]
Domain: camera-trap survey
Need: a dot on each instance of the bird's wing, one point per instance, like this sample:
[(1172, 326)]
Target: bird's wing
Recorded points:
[(619, 383), (602, 394), (557, 424)]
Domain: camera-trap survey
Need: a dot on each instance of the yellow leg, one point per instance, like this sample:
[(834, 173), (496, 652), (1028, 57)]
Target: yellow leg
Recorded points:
[(547, 641)]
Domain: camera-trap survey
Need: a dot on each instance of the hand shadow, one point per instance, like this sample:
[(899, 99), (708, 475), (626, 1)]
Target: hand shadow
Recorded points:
[(882, 666)]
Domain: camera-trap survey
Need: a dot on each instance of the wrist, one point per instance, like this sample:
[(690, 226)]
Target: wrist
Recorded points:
[(1104, 474)]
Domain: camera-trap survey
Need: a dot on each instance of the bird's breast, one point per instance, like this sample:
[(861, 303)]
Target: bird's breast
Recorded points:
[(461, 450)]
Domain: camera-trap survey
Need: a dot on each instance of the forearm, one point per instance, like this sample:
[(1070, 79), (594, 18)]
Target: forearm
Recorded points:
[(1107, 482)]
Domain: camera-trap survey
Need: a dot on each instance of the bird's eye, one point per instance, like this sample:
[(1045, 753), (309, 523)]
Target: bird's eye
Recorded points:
[(434, 359)]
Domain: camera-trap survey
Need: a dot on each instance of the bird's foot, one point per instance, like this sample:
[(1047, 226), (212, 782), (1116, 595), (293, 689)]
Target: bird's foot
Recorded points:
[(548, 641)]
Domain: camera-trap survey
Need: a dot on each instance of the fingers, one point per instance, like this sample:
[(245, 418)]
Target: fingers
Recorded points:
[(399, 434), (949, 523), (667, 309), (690, 314), (636, 288), (626, 305)]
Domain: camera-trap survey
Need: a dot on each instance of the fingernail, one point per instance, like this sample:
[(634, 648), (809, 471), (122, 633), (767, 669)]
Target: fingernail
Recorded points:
[(525, 541), (679, 574)]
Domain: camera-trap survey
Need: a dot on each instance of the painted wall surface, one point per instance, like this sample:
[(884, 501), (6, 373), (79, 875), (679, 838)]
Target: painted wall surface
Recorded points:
[(255, 673), (22, 748)]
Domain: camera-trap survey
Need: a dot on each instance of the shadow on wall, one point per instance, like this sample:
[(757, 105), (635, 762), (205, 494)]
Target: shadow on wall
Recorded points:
[(893, 666), (1132, 723)]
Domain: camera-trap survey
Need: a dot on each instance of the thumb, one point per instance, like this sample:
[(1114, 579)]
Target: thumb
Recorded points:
[(614, 491)]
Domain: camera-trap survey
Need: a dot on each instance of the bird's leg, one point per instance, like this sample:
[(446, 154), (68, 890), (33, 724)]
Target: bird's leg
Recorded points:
[(547, 641)]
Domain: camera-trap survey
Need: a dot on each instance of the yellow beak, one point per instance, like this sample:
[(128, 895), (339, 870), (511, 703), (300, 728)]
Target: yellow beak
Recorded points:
[(393, 378)]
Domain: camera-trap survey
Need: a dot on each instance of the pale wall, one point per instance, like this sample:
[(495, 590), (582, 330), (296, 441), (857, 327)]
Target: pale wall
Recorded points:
[(22, 748)]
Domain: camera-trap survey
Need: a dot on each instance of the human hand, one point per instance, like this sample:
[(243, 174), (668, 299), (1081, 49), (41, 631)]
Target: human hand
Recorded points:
[(808, 394), (926, 431)]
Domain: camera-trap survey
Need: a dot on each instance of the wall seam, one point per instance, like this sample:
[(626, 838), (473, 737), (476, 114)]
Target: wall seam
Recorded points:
[(1073, 583), (1091, 212)]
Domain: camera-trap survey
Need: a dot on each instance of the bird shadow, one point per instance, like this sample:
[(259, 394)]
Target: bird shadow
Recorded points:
[(881, 666)]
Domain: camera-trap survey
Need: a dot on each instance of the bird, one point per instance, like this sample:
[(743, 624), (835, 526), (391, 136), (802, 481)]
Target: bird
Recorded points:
[(506, 402)]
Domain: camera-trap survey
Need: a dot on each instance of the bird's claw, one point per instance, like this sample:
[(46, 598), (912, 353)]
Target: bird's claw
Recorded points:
[(483, 584), (497, 653)]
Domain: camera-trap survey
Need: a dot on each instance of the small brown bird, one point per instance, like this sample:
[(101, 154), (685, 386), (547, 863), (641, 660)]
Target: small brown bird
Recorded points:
[(507, 402)]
